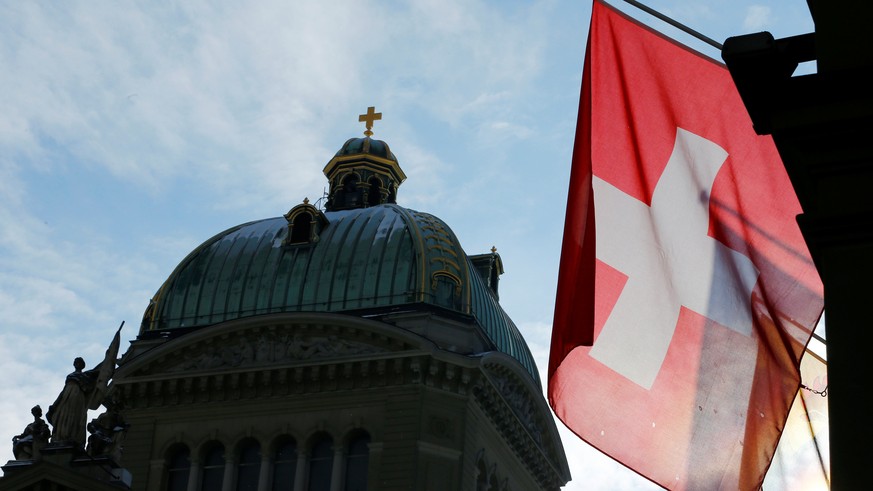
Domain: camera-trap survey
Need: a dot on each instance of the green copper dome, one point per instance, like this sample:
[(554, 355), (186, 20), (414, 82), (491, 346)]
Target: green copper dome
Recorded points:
[(366, 145), (360, 261)]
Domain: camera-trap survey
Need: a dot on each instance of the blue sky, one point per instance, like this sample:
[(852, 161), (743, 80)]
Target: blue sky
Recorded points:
[(132, 132)]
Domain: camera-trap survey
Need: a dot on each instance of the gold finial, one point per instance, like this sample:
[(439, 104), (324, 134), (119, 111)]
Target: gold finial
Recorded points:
[(493, 249), (306, 201), (368, 119)]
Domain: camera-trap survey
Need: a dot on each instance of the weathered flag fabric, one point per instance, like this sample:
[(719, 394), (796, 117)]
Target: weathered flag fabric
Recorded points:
[(682, 263), (802, 460)]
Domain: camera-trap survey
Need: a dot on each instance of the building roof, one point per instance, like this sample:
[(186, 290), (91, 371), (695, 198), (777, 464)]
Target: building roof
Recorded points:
[(380, 258)]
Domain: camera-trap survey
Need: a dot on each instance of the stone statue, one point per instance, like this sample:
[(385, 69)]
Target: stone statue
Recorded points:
[(107, 433), (82, 391), (69, 412), (34, 437)]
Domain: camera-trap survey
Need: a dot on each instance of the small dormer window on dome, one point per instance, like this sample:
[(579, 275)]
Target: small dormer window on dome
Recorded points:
[(363, 172), (305, 223)]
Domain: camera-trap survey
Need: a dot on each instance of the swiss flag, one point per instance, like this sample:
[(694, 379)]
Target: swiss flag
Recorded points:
[(686, 293)]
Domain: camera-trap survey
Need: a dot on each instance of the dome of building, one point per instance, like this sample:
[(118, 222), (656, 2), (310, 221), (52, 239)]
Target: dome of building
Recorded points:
[(363, 255), (373, 260)]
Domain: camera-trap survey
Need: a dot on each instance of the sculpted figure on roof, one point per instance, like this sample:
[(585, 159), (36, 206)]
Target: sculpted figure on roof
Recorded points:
[(69, 412), (34, 437)]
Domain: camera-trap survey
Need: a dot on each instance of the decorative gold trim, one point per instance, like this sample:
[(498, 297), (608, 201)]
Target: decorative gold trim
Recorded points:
[(365, 161), (445, 261)]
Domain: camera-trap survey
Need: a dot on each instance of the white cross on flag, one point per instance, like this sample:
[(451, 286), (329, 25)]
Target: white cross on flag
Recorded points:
[(686, 293)]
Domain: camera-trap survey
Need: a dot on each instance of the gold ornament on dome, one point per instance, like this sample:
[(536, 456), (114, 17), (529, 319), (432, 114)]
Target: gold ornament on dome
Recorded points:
[(368, 118)]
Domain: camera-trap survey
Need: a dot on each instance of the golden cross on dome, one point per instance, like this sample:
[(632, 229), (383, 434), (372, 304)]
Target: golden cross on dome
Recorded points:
[(368, 118)]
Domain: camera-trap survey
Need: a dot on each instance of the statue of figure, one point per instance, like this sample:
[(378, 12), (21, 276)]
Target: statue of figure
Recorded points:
[(70, 410), (82, 391), (107, 433), (34, 437)]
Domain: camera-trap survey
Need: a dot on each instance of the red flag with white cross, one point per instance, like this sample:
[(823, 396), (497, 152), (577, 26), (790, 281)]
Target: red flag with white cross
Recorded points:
[(686, 293)]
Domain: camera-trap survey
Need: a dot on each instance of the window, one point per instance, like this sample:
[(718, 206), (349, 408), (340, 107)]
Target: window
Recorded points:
[(321, 464), (178, 468), (338, 198), (285, 465), (301, 228), (374, 197), (213, 468), (447, 292), (317, 474), (305, 222), (249, 466), (350, 192), (357, 462)]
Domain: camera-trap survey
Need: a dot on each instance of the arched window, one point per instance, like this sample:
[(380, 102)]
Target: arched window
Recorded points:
[(357, 463), (213, 468), (321, 464), (374, 196), (305, 222), (248, 469), (350, 191), (301, 229), (178, 468), (338, 198), (447, 292), (285, 465)]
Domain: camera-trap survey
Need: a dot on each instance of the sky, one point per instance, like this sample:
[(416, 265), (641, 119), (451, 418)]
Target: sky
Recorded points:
[(131, 132)]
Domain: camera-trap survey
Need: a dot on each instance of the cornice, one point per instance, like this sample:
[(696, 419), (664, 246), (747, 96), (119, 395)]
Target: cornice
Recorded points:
[(514, 405)]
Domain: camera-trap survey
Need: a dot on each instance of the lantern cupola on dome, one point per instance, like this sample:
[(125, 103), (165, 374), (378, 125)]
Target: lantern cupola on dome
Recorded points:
[(364, 172)]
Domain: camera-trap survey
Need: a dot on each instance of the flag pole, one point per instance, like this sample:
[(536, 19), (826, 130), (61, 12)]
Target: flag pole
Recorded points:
[(706, 39)]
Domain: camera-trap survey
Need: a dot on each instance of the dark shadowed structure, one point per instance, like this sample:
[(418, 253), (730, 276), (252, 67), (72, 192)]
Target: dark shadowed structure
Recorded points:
[(821, 124)]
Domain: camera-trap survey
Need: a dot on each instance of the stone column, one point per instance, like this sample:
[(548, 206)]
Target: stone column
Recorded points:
[(194, 474), (338, 469), (300, 473), (266, 474), (227, 484)]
